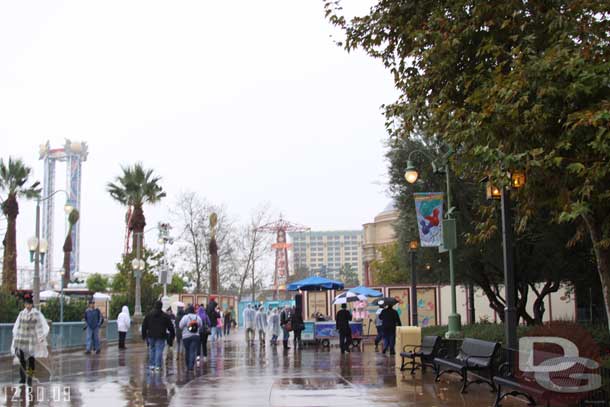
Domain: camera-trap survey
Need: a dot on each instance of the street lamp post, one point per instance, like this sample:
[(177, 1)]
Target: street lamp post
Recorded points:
[(61, 298), (38, 247), (413, 250), (138, 266), (164, 239), (450, 242), (517, 180)]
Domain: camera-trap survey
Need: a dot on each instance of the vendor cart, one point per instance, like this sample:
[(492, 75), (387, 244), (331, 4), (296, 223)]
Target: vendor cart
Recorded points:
[(322, 332)]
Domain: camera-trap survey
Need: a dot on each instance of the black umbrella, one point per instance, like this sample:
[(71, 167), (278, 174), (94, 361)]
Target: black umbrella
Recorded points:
[(385, 301)]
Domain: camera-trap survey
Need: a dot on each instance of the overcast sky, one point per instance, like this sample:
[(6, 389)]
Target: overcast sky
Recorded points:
[(240, 101)]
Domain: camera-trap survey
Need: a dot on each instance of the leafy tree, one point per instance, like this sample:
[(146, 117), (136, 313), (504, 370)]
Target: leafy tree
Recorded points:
[(116, 305), (301, 271), (97, 283), (14, 176), (176, 286), (508, 85), (134, 188), (150, 290), (349, 276), (387, 268)]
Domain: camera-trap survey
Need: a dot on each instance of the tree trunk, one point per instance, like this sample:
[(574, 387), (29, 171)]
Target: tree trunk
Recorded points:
[(9, 266), (137, 225), (67, 251), (602, 257)]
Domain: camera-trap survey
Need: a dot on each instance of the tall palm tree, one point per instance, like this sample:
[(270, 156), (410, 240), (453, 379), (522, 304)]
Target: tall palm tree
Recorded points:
[(13, 179), (135, 187)]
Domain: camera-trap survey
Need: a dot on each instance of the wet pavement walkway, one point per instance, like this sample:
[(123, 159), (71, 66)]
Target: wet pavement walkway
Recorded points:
[(238, 375)]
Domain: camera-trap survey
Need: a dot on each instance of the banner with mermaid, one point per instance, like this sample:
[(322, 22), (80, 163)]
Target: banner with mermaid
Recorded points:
[(429, 210)]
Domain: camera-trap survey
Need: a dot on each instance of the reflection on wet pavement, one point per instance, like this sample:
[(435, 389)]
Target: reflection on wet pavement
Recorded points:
[(238, 375)]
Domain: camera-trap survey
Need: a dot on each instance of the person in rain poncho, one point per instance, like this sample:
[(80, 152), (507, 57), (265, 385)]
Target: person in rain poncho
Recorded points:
[(274, 326), (123, 323), (29, 339), (249, 323), (261, 324)]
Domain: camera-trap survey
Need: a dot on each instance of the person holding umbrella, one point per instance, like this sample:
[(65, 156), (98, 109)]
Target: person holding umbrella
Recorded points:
[(343, 318), (389, 321)]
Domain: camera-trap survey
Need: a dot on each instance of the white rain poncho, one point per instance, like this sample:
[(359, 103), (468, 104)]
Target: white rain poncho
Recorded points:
[(274, 323), (261, 320), (249, 318), (30, 334), (123, 321)]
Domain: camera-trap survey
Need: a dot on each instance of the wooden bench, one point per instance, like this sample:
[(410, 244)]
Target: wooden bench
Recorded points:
[(475, 356), (426, 352)]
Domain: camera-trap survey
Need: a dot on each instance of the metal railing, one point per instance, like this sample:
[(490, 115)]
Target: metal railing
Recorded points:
[(64, 335)]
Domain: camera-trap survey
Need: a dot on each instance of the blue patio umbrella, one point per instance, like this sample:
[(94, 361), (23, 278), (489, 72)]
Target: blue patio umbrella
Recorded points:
[(315, 284), (369, 292)]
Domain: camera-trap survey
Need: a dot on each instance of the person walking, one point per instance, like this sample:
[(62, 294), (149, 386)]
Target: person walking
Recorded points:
[(219, 326), (274, 326), (211, 310), (179, 315), (297, 326), (157, 329), (261, 324), (342, 319), (204, 332), (190, 325), (29, 339), (286, 324), (378, 325), (389, 321), (227, 321), (249, 323), (123, 322), (93, 322)]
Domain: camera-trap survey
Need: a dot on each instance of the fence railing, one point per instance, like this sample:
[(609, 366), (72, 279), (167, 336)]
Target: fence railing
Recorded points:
[(63, 335)]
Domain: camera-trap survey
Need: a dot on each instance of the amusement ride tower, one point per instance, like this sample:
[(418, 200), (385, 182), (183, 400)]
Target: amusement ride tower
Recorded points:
[(73, 154)]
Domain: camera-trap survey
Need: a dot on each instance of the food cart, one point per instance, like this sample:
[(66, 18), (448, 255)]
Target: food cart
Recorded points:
[(323, 332)]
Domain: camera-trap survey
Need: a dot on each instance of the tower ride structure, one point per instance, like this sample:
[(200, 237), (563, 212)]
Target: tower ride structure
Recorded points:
[(281, 247), (73, 153)]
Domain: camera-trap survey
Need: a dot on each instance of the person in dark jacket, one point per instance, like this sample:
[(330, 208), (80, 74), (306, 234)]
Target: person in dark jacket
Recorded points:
[(157, 329), (345, 331), (298, 326), (389, 321), (212, 316), (179, 315), (93, 322)]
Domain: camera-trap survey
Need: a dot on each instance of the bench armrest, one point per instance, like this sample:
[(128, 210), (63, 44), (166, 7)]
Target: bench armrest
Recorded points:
[(504, 370), (411, 346)]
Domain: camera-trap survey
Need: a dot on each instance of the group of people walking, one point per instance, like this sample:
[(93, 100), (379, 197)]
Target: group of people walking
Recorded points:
[(258, 320)]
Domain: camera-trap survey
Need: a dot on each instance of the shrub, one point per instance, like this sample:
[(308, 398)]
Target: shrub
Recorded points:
[(74, 310), (10, 307), (116, 304)]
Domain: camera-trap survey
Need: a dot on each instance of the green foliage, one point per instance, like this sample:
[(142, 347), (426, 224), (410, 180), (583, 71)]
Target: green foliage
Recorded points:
[(510, 85), (14, 175), (388, 269), (117, 302), (349, 276), (176, 286), (119, 283), (150, 289), (10, 307), (136, 186), (97, 283), (74, 310)]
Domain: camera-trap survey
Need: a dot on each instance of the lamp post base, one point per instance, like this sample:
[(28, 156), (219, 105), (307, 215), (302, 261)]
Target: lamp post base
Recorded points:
[(455, 327)]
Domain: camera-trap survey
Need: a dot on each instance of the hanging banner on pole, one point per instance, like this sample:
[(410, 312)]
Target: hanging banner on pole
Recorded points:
[(429, 210)]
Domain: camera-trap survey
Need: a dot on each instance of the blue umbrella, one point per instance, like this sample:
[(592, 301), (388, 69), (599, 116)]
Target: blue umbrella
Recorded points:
[(315, 284), (369, 292)]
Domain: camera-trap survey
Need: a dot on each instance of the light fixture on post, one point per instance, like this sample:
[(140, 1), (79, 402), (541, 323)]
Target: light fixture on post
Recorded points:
[(449, 231), (492, 192), (38, 247), (413, 245), (138, 265), (61, 298), (517, 179)]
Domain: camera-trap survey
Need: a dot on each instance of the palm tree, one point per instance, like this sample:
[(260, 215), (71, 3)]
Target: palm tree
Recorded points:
[(13, 179), (135, 187)]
